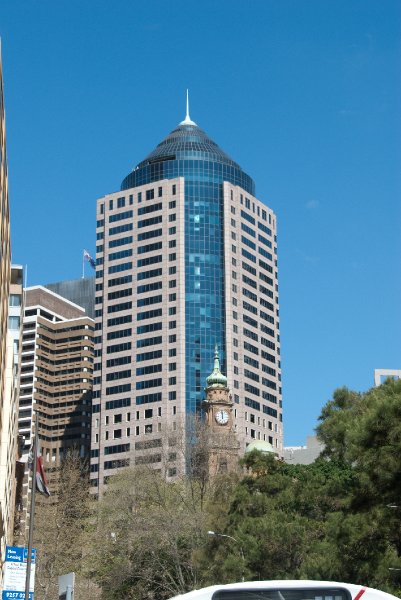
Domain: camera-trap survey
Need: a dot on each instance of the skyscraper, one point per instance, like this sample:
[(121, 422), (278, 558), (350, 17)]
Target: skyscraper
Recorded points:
[(186, 259)]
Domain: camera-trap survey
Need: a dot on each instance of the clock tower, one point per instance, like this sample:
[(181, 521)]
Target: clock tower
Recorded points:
[(218, 405)]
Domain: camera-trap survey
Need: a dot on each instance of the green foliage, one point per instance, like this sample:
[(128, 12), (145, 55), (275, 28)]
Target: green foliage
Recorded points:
[(328, 520)]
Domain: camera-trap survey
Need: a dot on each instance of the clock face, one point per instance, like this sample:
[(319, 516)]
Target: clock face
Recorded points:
[(221, 417)]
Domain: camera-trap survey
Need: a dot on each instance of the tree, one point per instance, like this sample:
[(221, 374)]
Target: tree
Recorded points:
[(150, 528), (146, 534), (60, 526)]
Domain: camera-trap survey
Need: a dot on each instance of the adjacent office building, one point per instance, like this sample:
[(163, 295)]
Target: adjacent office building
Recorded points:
[(186, 259), (56, 377), (5, 274), (9, 441)]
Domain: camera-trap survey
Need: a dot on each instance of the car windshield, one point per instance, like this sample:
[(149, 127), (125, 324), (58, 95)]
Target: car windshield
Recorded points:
[(282, 594)]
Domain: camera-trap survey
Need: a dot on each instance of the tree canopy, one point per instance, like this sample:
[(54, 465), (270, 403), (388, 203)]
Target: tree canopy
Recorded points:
[(337, 519)]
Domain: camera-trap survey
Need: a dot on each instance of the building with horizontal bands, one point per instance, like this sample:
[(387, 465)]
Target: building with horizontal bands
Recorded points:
[(56, 378), (186, 259)]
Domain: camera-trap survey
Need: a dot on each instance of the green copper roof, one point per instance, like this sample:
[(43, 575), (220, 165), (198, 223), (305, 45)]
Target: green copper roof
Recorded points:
[(260, 445), (216, 378)]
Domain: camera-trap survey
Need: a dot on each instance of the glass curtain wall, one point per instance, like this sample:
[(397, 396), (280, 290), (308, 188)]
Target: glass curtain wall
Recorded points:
[(188, 152)]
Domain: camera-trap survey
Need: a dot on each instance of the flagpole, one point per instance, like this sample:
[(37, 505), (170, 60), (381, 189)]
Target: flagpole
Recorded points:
[(83, 264), (32, 513)]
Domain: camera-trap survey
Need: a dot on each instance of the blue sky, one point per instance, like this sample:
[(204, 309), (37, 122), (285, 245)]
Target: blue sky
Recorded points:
[(304, 94)]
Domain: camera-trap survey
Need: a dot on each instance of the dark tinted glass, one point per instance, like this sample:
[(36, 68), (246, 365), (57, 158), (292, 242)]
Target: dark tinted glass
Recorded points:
[(283, 594)]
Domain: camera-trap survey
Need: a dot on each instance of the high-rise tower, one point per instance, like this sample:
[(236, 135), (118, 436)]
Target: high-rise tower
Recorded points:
[(186, 259)]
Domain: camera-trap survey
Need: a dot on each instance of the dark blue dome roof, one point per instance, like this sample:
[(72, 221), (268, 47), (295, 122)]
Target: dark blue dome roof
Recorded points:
[(187, 144), (188, 141)]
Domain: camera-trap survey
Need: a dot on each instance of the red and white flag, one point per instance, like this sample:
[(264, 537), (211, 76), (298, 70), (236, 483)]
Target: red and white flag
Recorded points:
[(41, 481)]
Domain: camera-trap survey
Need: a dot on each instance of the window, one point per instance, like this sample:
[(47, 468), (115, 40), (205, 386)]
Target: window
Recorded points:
[(172, 324), (153, 341), (149, 247), (114, 295), (148, 209), (13, 323), (150, 221), (148, 355), (172, 366), (120, 280), (149, 300), (172, 283), (172, 204), (172, 256), (146, 235), (150, 194), (172, 270), (149, 274), (174, 190), (172, 217), (172, 297), (172, 380), (172, 230), (121, 216), (172, 338), (15, 300), (149, 260), (248, 243), (120, 228), (172, 310), (148, 383), (149, 287), (120, 254), (148, 328), (160, 192), (149, 314), (172, 244)]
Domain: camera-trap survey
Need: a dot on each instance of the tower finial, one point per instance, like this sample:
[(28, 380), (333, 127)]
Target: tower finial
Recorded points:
[(187, 120), (187, 115), (216, 357)]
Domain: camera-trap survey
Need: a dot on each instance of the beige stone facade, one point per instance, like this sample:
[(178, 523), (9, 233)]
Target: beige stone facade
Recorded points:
[(140, 344), (5, 273)]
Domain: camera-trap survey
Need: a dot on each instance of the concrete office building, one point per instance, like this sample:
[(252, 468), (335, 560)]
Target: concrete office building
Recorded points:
[(5, 274), (186, 259), (9, 442), (56, 376)]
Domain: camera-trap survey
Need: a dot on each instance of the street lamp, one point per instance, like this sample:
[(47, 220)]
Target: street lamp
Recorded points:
[(230, 537)]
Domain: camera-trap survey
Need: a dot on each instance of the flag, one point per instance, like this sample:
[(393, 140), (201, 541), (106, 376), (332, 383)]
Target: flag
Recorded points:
[(41, 481), (90, 260)]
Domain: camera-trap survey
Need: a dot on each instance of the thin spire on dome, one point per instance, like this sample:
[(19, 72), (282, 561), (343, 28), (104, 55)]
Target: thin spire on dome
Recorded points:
[(187, 120), (216, 358)]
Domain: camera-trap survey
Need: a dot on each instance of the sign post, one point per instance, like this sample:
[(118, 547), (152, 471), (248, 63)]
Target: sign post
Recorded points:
[(15, 573)]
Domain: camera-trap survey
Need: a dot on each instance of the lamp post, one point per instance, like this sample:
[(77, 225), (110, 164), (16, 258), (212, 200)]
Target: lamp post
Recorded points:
[(393, 506), (230, 537)]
